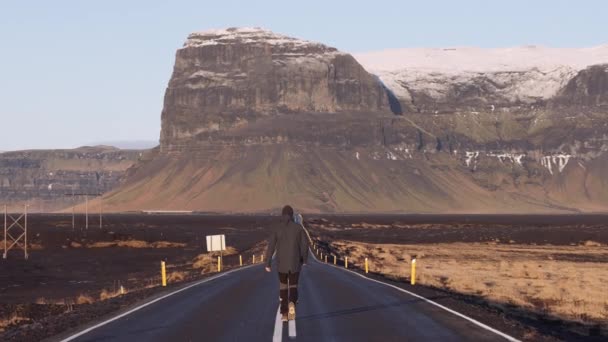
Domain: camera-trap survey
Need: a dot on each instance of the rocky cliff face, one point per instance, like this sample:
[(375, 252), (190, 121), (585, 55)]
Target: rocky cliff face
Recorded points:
[(253, 120), (45, 179), (229, 78), (588, 88)]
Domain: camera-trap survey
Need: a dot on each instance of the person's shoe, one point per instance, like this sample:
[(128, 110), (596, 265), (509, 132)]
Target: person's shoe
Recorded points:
[(291, 314), (284, 317)]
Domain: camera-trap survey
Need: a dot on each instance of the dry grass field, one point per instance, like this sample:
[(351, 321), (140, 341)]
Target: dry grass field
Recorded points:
[(567, 282)]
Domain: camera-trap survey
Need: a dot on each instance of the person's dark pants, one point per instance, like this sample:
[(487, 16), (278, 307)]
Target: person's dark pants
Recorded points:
[(288, 289)]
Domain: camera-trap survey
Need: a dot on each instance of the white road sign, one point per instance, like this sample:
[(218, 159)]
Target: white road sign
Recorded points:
[(216, 243)]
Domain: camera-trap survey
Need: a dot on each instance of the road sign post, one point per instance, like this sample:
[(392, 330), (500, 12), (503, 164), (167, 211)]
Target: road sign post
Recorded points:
[(217, 243)]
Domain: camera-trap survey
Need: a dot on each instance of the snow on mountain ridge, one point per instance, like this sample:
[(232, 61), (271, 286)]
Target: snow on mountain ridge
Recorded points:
[(473, 59), (246, 35), (520, 74)]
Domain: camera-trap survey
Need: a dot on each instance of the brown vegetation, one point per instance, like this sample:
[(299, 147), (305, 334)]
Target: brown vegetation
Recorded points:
[(207, 262), (12, 320), (176, 276), (84, 299), (136, 244), (107, 294), (566, 282)]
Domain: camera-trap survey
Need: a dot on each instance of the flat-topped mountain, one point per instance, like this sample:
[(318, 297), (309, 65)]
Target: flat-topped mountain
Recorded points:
[(224, 79), (253, 120)]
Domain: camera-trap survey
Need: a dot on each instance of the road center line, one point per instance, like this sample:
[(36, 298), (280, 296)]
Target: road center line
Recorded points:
[(292, 328), (278, 327)]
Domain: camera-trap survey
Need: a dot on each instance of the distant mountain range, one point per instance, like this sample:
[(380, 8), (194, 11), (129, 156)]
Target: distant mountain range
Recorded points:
[(128, 144), (253, 120)]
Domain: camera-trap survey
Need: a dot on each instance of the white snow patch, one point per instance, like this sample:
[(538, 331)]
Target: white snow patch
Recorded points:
[(512, 157), (248, 35), (522, 73), (357, 155), (474, 59), (390, 155), (560, 160), (471, 157), (403, 150)]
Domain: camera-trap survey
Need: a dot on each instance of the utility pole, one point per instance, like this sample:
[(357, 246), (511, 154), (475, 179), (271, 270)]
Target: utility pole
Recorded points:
[(86, 205), (19, 240), (25, 234), (100, 212), (5, 229), (73, 205)]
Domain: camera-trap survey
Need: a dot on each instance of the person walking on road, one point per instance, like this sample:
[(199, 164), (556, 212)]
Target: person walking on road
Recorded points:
[(290, 242)]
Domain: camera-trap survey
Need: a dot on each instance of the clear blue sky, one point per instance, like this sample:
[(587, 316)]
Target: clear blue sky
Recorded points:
[(76, 72)]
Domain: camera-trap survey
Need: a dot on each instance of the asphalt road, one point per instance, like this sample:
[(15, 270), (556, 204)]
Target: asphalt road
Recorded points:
[(335, 305)]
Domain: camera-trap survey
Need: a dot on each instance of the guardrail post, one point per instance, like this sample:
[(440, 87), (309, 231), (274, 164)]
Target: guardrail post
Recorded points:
[(326, 258), (163, 273), (413, 274), (262, 258), (346, 262), (254, 258), (240, 260), (335, 261), (366, 266)]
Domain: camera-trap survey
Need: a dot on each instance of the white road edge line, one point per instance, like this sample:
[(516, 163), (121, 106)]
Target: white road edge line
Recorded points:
[(70, 338), (278, 327), (472, 320)]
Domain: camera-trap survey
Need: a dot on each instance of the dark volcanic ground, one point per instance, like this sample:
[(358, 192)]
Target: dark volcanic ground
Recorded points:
[(57, 272), (559, 230)]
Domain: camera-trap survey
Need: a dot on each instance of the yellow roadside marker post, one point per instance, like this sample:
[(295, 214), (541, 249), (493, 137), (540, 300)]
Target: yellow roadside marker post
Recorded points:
[(240, 260), (366, 266), (413, 275), (335, 261), (219, 263), (346, 262), (262, 258), (163, 273)]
